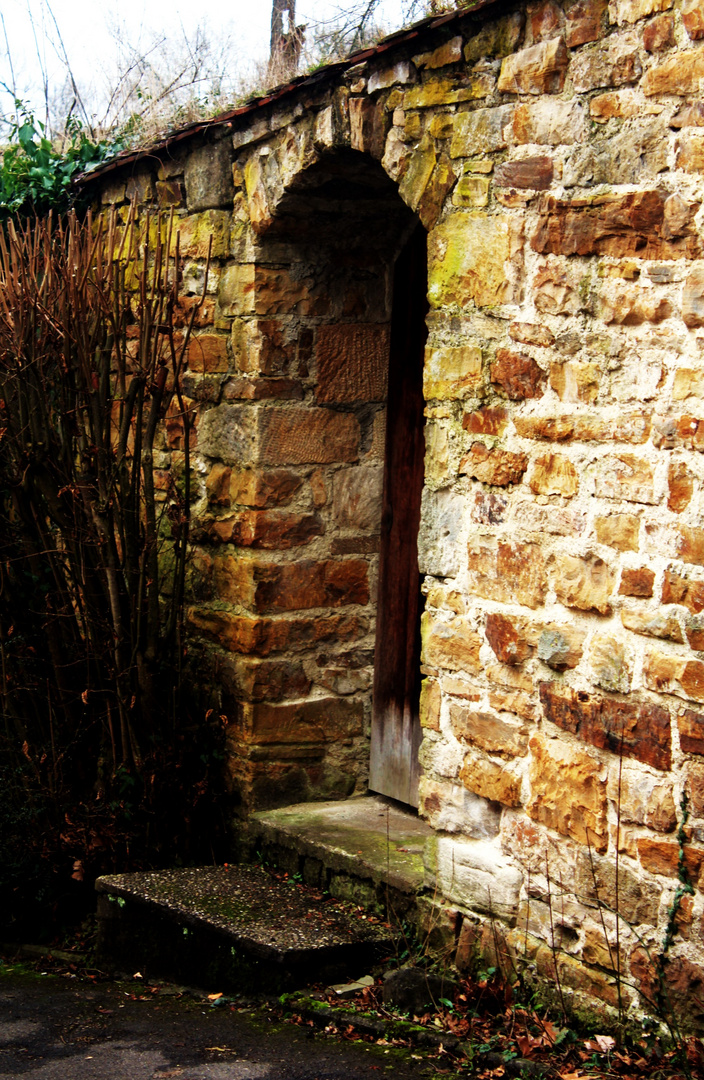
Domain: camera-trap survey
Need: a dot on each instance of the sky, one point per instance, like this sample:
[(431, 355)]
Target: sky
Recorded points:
[(29, 40)]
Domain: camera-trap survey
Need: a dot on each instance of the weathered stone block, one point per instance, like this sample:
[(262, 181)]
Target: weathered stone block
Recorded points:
[(539, 69), (476, 875), (229, 433), (452, 644), (554, 474), (611, 664), (442, 521), (518, 375), (480, 132), (496, 38), (290, 586), (532, 334), (452, 372), (583, 22), (262, 488), (668, 673), (560, 648), (268, 529), (637, 582), (693, 19), (613, 63), (677, 588), (357, 497), (690, 545), (506, 637), (491, 780), (499, 467), (659, 33), (619, 531), (568, 791), (487, 731), (680, 483), (548, 123), (584, 583), (208, 353), (318, 720), (642, 799), (298, 436), (468, 255), (662, 857), (509, 573), (430, 704), (622, 105), (450, 808), (679, 74), (691, 729), (693, 295), (625, 477), (631, 11), (533, 173), (662, 623), (208, 177)]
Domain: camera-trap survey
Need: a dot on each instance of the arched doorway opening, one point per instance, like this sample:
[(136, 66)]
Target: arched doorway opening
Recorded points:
[(344, 267)]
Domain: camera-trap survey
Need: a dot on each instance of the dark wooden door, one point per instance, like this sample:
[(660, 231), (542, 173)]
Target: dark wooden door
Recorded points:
[(394, 768)]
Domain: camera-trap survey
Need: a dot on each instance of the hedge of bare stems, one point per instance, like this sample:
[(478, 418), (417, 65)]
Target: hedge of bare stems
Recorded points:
[(92, 557)]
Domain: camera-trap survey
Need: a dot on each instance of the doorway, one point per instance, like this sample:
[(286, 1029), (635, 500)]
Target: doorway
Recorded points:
[(396, 734)]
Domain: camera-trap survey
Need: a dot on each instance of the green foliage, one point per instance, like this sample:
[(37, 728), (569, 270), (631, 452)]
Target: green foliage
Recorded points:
[(35, 177)]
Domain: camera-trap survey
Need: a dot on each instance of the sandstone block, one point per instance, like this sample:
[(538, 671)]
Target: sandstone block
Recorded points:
[(611, 664), (680, 483), (691, 545), (532, 334), (471, 191), (450, 808), (262, 488), (689, 382), (583, 22), (622, 105), (517, 702), (487, 731), (619, 531), (659, 33), (619, 225), (317, 720), (548, 123), (628, 307), (691, 728), (539, 69), (678, 74), (693, 295), (642, 799), (488, 420), (357, 497), (289, 586), (367, 127), (668, 673), (637, 728), (662, 623), (442, 521), (625, 477), (452, 644), (506, 637), (468, 257), (689, 153), (208, 177), (430, 704), (544, 20), (613, 63), (568, 791), (662, 857), (268, 529), (509, 573), (490, 780), (228, 432), (631, 11), (489, 508), (575, 380), (452, 372), (554, 474), (498, 467), (518, 375), (557, 292), (693, 19), (584, 583), (677, 588), (528, 173), (298, 436), (637, 582), (352, 363), (264, 680), (480, 132), (475, 874), (496, 38), (208, 353), (560, 648)]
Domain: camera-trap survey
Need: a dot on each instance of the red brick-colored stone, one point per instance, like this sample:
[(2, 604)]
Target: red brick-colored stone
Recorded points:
[(299, 436), (680, 483), (318, 720), (247, 389), (659, 33), (518, 375), (265, 488), (291, 586), (619, 225), (662, 857), (638, 728), (352, 363), (506, 639), (272, 529), (535, 173), (691, 545), (627, 427), (583, 22), (691, 727)]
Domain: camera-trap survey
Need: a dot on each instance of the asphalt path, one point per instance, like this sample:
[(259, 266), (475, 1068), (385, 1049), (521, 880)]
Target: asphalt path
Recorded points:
[(60, 1028)]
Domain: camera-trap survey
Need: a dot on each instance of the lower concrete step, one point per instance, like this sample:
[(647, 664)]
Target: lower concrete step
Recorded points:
[(232, 928)]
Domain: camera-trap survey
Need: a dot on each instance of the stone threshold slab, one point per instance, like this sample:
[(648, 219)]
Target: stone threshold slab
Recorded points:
[(366, 837)]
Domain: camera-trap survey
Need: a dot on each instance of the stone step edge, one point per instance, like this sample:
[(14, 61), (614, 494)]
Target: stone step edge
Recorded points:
[(334, 858)]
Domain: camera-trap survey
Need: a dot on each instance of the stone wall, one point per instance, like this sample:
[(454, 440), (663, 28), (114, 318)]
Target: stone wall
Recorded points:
[(553, 152)]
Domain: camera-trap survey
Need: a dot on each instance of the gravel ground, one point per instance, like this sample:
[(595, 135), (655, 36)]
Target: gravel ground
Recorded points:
[(60, 1028)]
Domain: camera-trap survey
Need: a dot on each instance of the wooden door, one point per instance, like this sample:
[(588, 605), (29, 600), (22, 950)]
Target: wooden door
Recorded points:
[(394, 768)]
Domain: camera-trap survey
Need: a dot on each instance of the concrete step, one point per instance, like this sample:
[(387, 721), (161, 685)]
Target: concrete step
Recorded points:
[(232, 928), (366, 849)]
